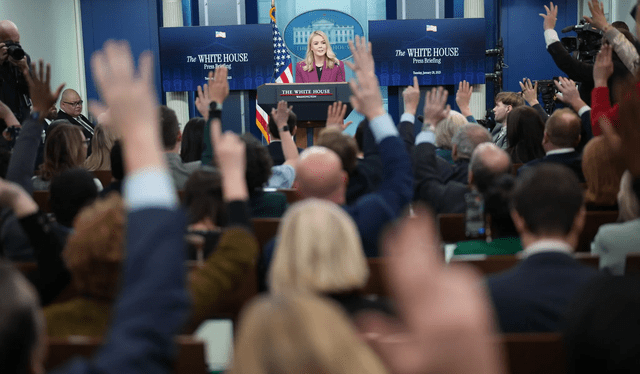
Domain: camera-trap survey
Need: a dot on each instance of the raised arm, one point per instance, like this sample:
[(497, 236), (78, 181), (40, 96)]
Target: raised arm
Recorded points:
[(569, 96), (411, 99), (600, 103), (26, 148), (152, 303), (395, 189), (463, 98), (289, 149), (625, 50), (576, 70), (209, 102)]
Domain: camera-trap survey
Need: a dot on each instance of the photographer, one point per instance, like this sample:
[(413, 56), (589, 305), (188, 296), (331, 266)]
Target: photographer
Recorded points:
[(14, 67), (577, 70)]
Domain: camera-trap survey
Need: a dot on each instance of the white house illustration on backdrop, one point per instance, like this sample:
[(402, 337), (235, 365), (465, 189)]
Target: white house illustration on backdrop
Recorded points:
[(336, 34)]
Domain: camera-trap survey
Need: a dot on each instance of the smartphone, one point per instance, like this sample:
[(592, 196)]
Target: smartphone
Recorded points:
[(474, 223)]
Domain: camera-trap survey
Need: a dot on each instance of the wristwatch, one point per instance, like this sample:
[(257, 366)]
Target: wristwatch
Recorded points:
[(215, 110), (284, 128)]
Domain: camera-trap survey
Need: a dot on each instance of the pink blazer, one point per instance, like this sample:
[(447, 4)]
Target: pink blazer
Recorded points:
[(328, 75)]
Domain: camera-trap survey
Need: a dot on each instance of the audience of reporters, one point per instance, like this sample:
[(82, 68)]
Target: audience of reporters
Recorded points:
[(525, 132), (533, 296), (275, 146), (561, 137), (192, 135), (172, 140), (65, 148), (323, 242), (602, 172), (505, 103), (101, 145)]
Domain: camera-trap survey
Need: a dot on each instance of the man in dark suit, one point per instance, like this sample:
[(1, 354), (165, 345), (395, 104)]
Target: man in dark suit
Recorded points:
[(577, 70), (561, 136), (274, 147), (487, 163), (71, 110), (549, 214)]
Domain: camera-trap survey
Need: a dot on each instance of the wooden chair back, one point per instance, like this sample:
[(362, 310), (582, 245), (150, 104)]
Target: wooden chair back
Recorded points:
[(104, 176), (494, 264), (265, 229), (594, 220), (452, 228), (292, 195), (42, 199), (534, 353), (190, 359)]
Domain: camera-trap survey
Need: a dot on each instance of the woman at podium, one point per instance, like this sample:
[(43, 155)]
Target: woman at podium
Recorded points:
[(320, 63)]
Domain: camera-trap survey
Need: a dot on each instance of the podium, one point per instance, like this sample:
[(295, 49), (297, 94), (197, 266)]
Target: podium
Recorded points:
[(310, 102)]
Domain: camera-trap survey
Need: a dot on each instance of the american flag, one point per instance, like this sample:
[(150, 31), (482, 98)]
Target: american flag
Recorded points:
[(282, 71)]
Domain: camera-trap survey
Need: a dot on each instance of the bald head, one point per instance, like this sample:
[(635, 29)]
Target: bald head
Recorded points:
[(319, 174), (9, 31), (70, 102), (562, 130), (487, 163), (467, 138)]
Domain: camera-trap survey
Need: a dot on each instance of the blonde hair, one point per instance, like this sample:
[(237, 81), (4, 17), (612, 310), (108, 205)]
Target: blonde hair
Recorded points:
[(602, 173), (94, 251), (628, 205), (309, 60), (300, 334), (319, 250), (447, 128), (101, 144)]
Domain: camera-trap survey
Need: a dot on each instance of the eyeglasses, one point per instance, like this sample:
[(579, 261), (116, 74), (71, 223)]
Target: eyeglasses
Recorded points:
[(74, 104)]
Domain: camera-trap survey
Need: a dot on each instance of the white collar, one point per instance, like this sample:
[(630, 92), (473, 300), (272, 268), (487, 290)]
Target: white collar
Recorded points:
[(561, 151), (547, 245)]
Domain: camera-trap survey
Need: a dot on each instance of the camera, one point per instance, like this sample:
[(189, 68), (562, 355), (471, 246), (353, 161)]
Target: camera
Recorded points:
[(14, 50), (586, 44), (548, 90)]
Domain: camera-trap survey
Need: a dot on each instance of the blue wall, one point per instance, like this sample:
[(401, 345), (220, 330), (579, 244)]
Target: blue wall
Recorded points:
[(525, 49), (133, 20)]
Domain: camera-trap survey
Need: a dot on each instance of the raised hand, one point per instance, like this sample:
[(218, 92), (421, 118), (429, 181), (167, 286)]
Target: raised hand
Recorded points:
[(366, 97), (203, 100), (280, 114), (232, 160), (550, 17), (411, 97), (463, 98), (130, 96), (597, 19), (335, 116), (570, 94), (446, 323), (624, 140), (435, 106), (40, 89), (529, 91), (603, 68)]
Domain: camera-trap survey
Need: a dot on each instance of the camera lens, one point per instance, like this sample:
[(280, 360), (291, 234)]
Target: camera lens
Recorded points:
[(16, 52)]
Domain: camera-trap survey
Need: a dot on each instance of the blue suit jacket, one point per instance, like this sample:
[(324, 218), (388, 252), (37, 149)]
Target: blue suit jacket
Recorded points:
[(328, 75), (153, 303), (533, 295), (571, 160)]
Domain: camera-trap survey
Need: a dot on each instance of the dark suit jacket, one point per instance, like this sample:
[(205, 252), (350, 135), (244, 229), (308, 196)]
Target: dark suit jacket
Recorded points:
[(532, 296), (87, 134), (275, 150), (328, 75), (367, 176), (571, 160), (446, 172), (442, 197), (582, 71)]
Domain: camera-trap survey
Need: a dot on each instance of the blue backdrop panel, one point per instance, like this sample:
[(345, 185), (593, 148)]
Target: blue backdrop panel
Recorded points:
[(188, 54), (437, 51), (524, 47)]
